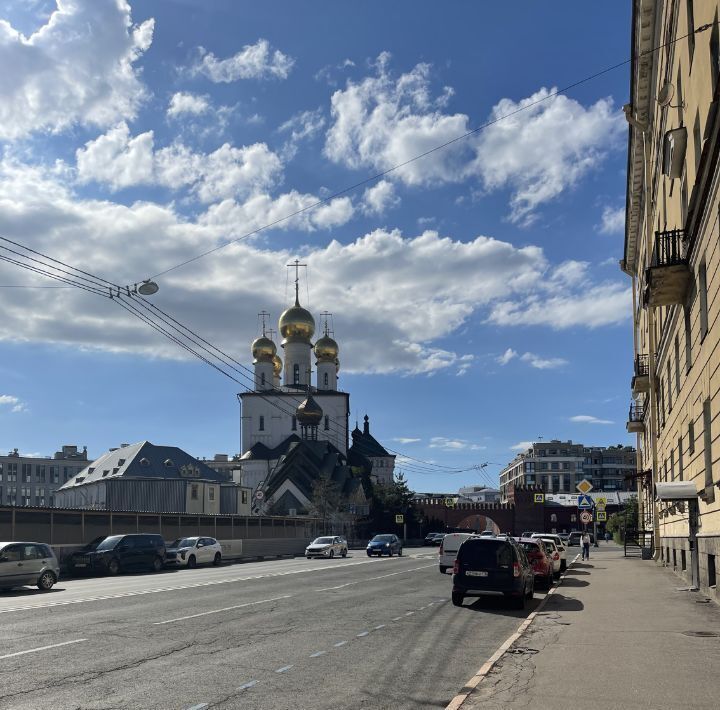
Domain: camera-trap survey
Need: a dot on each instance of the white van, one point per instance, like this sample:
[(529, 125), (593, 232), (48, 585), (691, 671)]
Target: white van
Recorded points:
[(448, 549)]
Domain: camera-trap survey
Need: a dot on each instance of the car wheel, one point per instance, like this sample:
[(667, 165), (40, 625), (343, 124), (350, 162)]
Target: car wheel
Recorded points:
[(217, 559), (556, 575), (113, 567), (531, 592), (390, 553), (46, 581), (192, 562), (343, 553), (549, 581), (443, 569), (157, 564), (563, 565), (369, 554), (332, 554), (457, 598), (400, 552)]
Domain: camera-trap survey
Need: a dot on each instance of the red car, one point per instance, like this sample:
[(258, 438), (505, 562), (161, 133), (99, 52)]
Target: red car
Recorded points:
[(540, 560)]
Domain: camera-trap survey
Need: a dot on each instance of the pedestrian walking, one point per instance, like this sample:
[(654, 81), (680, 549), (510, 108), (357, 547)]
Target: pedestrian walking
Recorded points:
[(585, 546), (607, 537)]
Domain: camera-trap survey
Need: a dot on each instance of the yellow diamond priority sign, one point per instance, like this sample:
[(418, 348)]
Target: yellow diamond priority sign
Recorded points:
[(584, 486)]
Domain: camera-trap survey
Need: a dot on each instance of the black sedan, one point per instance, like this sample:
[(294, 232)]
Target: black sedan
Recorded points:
[(384, 545)]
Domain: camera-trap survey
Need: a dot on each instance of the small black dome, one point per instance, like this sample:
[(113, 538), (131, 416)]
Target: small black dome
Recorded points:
[(309, 412)]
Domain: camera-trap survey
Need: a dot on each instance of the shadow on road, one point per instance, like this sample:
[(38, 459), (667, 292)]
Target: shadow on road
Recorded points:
[(559, 602), (572, 582), (501, 606)]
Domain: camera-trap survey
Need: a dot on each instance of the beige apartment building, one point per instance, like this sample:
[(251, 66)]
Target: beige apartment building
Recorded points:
[(672, 254)]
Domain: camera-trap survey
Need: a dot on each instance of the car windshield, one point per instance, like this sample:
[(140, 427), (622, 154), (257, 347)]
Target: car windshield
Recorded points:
[(550, 545), (323, 541), (184, 542), (382, 538), (109, 542), (94, 544), (486, 553), (530, 547)]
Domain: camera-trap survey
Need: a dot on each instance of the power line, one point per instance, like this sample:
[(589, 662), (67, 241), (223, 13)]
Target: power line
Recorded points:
[(430, 151)]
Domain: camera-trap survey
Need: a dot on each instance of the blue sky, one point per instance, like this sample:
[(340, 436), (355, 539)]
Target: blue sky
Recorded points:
[(475, 293)]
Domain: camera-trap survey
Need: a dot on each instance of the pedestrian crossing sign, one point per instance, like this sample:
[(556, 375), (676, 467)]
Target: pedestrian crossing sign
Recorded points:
[(539, 497), (585, 501), (601, 502), (601, 516)]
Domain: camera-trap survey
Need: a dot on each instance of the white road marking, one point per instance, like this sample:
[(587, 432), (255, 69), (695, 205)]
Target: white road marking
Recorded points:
[(362, 633), (370, 579), (176, 587), (379, 626), (201, 706), (284, 669), (397, 618), (317, 654), (41, 648), (409, 613), (249, 684), (217, 611), (339, 643)]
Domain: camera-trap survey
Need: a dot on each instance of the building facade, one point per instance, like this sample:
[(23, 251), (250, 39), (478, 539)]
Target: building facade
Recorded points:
[(558, 466), (672, 255), (31, 480)]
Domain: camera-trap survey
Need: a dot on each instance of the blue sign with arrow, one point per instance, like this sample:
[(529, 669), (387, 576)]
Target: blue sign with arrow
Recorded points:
[(585, 501)]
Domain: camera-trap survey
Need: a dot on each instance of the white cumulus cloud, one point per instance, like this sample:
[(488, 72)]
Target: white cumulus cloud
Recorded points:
[(613, 220), (588, 419), (542, 363), (442, 442), (80, 67), (522, 446), (506, 357), (14, 403), (379, 198), (253, 61), (183, 102)]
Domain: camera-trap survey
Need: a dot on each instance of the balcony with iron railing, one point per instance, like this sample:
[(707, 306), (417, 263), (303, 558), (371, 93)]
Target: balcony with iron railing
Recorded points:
[(668, 276), (641, 374), (636, 418)]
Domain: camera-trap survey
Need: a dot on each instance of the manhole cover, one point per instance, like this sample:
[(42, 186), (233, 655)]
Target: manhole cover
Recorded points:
[(703, 634)]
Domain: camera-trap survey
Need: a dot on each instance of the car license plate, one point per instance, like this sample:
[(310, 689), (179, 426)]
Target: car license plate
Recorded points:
[(476, 573)]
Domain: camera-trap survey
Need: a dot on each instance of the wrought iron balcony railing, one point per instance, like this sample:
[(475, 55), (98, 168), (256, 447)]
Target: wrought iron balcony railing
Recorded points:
[(670, 248), (642, 365), (637, 412)]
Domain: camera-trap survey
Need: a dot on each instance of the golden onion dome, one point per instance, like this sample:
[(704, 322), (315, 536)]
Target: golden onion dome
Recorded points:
[(326, 349), (277, 365), (263, 349), (309, 412), (297, 323)]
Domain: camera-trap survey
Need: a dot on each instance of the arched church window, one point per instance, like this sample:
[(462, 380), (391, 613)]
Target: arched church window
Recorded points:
[(261, 425), (296, 374), (553, 518), (294, 424), (326, 379)]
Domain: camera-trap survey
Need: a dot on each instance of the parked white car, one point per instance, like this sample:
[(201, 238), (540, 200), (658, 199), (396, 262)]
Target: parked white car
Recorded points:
[(330, 546), (562, 549), (448, 549), (23, 563), (553, 554), (193, 551)]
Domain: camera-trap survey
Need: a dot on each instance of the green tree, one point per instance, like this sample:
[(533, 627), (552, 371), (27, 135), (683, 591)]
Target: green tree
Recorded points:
[(326, 501), (390, 499), (625, 519)]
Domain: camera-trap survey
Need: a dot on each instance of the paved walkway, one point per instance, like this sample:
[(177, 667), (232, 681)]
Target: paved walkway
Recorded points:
[(621, 629)]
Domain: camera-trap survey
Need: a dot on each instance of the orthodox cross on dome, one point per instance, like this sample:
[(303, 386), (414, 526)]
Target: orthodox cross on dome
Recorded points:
[(327, 317), (297, 266), (263, 315)]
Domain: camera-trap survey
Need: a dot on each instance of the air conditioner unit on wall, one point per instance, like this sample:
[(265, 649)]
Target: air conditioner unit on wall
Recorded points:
[(674, 146)]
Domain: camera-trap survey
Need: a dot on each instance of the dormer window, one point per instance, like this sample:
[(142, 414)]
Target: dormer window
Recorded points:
[(168, 463), (144, 462), (261, 425)]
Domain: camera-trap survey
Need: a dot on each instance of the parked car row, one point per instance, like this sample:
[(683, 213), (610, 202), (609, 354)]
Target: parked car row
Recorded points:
[(23, 563), (335, 546)]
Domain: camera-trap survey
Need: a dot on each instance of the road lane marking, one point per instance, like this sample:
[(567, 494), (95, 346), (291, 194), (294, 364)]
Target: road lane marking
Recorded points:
[(284, 669), (409, 613), (379, 626), (470, 686), (397, 618), (317, 654), (370, 579), (41, 648), (249, 684), (217, 611), (200, 706), (178, 587), (362, 633), (339, 643)]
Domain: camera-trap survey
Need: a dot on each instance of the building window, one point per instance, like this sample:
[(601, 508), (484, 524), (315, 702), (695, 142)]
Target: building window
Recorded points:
[(261, 425), (26, 472), (296, 374), (691, 437), (262, 379), (672, 464), (688, 340), (669, 387), (697, 140), (294, 424), (690, 28), (714, 54), (680, 459), (211, 492), (326, 380), (194, 491), (243, 497), (702, 287), (707, 442), (327, 423), (679, 103), (683, 197), (40, 473)]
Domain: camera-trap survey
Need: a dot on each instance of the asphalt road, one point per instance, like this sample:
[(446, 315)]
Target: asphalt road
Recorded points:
[(307, 634)]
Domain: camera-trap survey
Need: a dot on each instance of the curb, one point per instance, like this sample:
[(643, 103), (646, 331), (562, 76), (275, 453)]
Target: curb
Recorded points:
[(486, 667)]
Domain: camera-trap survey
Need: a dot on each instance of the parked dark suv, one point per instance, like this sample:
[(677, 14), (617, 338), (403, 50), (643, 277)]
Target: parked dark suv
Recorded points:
[(494, 567), (124, 552), (77, 562)]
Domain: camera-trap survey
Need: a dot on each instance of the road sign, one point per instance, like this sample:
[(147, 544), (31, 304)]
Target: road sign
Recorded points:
[(586, 517), (601, 502), (585, 502), (449, 502), (601, 516), (584, 486), (259, 495), (399, 519), (539, 497)]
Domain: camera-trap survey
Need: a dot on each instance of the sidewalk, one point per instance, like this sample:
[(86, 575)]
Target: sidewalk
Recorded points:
[(616, 634)]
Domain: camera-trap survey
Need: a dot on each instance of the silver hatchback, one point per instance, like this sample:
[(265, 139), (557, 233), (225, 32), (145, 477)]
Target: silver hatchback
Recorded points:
[(24, 563)]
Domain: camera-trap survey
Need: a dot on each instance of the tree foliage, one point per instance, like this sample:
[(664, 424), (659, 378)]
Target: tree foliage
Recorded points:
[(625, 519)]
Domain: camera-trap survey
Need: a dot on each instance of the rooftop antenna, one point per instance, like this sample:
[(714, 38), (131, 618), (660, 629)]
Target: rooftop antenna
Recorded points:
[(297, 266)]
